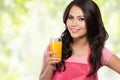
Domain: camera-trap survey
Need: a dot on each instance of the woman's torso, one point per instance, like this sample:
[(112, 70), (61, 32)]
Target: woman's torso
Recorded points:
[(77, 68)]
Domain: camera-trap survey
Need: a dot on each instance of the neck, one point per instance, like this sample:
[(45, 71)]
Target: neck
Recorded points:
[(80, 47), (80, 42)]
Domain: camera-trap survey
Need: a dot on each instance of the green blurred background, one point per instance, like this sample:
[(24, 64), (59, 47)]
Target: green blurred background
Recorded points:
[(27, 25)]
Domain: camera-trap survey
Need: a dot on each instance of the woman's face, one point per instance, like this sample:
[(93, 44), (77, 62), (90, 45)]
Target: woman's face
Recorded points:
[(76, 23)]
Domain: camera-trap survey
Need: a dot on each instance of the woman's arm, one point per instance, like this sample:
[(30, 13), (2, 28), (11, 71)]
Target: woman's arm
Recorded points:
[(48, 67), (46, 71), (114, 63)]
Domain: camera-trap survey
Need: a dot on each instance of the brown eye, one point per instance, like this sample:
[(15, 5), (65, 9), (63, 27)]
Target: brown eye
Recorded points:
[(70, 17), (81, 19)]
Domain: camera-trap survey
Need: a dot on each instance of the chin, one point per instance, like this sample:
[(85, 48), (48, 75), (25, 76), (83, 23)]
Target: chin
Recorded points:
[(73, 36), (76, 36)]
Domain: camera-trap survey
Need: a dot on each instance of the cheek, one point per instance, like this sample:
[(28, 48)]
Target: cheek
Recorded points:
[(68, 23), (83, 26)]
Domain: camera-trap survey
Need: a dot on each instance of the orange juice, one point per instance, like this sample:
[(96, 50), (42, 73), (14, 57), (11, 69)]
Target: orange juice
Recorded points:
[(57, 47)]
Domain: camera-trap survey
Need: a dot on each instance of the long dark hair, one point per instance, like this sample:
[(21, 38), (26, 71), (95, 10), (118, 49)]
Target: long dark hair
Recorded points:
[(96, 34)]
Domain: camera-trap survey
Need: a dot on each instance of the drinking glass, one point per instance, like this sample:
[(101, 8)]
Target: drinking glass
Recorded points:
[(56, 47)]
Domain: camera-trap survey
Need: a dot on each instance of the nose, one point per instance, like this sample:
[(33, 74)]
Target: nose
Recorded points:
[(74, 23)]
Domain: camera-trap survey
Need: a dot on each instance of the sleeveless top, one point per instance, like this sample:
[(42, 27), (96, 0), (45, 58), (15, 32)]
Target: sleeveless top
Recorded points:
[(77, 68)]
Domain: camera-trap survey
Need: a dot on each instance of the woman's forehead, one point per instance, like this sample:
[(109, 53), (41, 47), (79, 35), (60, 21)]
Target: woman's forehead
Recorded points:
[(75, 10)]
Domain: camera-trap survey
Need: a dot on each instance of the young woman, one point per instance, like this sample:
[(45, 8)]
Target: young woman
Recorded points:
[(83, 46)]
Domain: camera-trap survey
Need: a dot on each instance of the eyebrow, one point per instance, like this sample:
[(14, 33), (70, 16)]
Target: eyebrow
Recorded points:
[(77, 16)]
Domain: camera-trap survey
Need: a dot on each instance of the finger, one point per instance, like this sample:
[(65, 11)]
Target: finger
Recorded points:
[(54, 59), (51, 53), (53, 62)]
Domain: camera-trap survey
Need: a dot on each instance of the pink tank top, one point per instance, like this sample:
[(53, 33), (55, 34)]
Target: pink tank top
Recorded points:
[(77, 68), (74, 71)]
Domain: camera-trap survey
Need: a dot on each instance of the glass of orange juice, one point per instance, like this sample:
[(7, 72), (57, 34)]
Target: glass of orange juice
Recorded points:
[(56, 46)]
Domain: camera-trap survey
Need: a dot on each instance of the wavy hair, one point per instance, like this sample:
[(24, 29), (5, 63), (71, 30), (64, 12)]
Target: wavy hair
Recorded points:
[(96, 34)]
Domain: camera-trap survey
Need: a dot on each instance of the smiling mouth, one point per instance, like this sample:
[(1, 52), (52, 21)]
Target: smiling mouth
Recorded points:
[(74, 30)]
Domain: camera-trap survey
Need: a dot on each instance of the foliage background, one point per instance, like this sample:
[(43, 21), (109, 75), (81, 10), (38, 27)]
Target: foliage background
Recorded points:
[(27, 25)]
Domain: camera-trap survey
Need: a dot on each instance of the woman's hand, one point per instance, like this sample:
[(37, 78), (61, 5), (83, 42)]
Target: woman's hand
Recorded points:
[(51, 61)]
